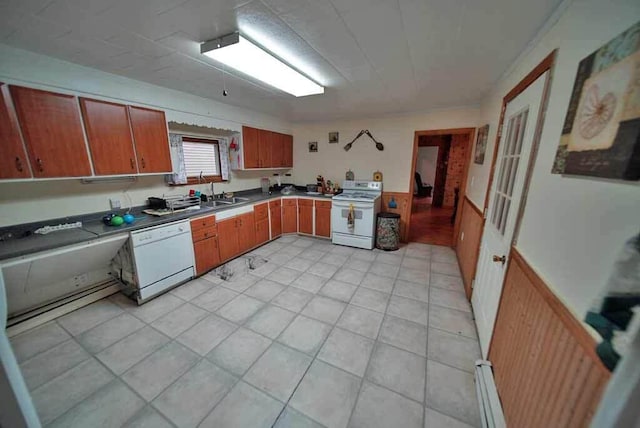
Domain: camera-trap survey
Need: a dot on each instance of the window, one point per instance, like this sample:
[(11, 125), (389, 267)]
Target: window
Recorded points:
[(201, 160)]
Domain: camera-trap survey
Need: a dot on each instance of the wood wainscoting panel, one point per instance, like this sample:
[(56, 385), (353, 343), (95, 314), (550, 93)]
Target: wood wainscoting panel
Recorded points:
[(403, 202), (544, 361), (468, 245)]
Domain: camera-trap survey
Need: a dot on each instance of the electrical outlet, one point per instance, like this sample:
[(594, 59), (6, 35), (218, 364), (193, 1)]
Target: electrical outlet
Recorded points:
[(115, 204)]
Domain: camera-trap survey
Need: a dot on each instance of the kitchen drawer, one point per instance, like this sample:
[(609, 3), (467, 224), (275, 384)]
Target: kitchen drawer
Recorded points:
[(261, 211), (289, 202), (305, 202), (204, 233), (203, 222), (323, 204), (276, 203)]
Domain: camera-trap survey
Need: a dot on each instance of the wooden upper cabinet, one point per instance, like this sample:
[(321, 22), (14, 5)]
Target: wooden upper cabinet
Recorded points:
[(151, 140), (265, 141), (52, 130), (266, 149), (250, 147), (13, 159), (277, 150), (287, 151), (109, 134)]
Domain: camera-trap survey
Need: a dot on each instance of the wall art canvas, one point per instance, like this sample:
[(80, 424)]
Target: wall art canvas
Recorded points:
[(334, 137), (481, 144), (601, 133), (313, 146)]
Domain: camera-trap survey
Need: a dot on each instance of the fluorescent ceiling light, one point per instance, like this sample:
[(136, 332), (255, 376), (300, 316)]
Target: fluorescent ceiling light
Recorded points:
[(242, 55)]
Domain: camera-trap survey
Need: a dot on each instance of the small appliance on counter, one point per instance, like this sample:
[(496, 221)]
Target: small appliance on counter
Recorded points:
[(264, 184)]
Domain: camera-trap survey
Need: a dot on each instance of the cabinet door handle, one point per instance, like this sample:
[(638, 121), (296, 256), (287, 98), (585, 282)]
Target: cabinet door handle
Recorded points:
[(133, 165), (18, 164), (144, 165), (40, 166)]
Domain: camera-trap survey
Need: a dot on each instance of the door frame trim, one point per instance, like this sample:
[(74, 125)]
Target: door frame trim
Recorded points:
[(471, 132)]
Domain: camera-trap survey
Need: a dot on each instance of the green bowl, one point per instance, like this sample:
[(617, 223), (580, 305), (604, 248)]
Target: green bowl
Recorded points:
[(117, 221)]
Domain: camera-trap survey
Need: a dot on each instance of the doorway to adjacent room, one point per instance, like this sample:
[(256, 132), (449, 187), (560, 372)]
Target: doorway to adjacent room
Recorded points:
[(439, 175)]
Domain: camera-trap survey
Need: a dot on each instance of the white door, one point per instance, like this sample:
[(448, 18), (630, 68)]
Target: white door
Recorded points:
[(520, 120)]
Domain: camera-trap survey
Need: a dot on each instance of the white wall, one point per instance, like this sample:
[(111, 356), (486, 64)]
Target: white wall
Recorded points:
[(395, 132), (33, 201), (573, 227), (426, 163)]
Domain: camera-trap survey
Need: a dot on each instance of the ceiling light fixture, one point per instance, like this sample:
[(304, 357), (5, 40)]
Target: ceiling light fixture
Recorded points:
[(241, 54)]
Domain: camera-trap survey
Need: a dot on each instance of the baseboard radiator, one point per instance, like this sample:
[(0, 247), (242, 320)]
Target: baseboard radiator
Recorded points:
[(490, 408)]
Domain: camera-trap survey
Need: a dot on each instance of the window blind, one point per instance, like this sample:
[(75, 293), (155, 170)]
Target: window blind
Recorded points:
[(201, 158)]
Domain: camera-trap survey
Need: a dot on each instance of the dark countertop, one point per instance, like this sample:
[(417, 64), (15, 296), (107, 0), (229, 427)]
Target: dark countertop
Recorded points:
[(23, 241)]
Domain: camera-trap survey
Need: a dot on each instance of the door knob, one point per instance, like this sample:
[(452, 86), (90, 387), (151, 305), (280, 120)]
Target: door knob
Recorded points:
[(502, 259)]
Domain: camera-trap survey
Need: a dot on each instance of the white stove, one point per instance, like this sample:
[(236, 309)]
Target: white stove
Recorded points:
[(354, 213)]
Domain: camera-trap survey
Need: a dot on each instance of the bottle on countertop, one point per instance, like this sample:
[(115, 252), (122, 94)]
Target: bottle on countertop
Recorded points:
[(264, 183)]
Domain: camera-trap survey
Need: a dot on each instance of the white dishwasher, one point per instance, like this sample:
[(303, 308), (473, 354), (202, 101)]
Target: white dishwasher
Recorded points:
[(162, 258)]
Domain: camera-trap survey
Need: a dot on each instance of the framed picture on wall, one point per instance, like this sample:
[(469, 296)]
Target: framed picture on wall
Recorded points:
[(334, 137), (313, 146), (601, 132), (481, 144)]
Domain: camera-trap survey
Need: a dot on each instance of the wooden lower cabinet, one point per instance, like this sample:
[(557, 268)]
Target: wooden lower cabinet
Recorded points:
[(323, 219), (275, 213), (305, 216), (289, 216), (228, 239), (205, 243), (207, 254), (262, 231), (246, 232)]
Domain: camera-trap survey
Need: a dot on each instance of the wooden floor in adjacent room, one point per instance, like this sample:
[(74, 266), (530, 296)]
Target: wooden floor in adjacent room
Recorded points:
[(430, 225)]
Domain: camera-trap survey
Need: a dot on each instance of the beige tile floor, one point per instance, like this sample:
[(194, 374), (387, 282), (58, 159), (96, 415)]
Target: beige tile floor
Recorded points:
[(318, 335)]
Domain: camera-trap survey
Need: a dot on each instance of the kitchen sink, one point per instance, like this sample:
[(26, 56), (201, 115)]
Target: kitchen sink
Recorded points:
[(218, 204), (236, 200)]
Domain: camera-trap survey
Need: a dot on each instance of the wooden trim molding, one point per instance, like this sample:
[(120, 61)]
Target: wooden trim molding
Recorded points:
[(544, 361), (538, 71), (576, 327), (473, 206), (468, 245)]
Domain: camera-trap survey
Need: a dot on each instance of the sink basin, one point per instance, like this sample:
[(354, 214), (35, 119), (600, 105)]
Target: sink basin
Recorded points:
[(236, 200), (216, 203)]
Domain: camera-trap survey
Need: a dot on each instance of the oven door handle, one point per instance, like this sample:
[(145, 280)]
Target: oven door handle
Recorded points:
[(356, 205)]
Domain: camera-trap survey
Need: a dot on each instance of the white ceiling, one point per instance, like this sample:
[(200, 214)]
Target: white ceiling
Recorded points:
[(374, 56)]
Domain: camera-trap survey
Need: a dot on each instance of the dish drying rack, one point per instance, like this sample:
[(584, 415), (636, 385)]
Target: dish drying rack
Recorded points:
[(172, 204), (175, 203)]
